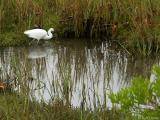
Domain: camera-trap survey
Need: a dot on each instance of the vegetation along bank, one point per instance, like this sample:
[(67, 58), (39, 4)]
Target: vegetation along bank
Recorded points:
[(132, 24)]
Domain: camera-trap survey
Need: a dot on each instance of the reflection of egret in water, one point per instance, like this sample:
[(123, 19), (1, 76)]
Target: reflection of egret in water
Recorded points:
[(39, 83), (78, 75), (39, 52)]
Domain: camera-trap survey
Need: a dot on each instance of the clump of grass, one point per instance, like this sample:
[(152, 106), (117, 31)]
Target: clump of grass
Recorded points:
[(84, 18), (20, 14), (12, 39), (14, 106)]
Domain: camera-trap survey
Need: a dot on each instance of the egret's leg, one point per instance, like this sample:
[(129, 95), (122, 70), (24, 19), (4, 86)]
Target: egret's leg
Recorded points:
[(37, 42), (31, 41)]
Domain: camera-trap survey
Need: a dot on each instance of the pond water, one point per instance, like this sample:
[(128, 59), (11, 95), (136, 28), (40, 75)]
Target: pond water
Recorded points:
[(74, 71)]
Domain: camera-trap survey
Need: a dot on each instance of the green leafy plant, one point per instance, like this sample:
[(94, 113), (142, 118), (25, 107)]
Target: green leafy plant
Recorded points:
[(141, 92)]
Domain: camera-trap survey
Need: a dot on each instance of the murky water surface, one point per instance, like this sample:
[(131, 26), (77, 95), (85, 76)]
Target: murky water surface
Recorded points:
[(73, 71)]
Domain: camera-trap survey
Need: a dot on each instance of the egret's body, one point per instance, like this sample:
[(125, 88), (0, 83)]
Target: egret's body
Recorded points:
[(39, 34)]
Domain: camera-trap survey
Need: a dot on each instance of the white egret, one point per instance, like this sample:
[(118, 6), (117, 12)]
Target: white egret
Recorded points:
[(39, 34)]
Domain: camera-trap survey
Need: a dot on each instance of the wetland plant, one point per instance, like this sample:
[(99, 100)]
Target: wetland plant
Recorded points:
[(141, 98)]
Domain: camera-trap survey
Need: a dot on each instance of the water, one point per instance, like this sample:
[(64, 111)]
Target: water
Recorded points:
[(76, 72)]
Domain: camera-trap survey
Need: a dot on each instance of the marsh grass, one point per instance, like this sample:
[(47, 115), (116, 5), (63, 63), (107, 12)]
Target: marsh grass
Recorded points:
[(134, 23), (14, 106)]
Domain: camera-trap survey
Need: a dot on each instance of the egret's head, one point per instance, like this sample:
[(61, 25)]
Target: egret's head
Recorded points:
[(52, 30)]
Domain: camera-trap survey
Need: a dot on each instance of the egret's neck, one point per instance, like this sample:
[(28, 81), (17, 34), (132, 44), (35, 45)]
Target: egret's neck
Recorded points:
[(49, 36)]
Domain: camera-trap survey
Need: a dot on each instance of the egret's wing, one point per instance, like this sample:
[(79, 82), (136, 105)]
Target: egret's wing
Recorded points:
[(36, 33)]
